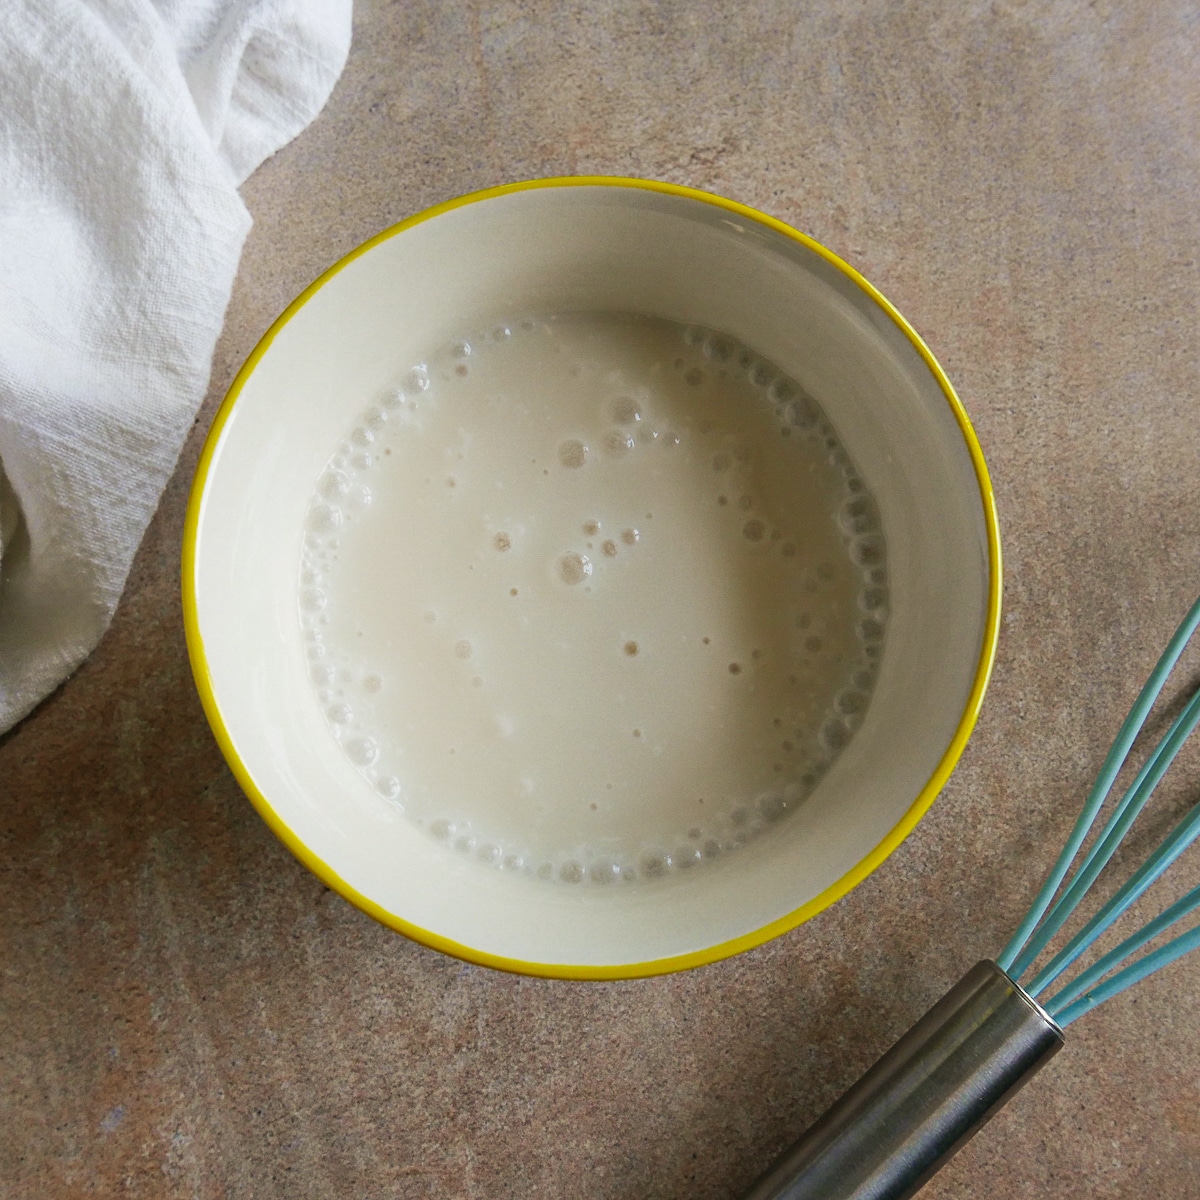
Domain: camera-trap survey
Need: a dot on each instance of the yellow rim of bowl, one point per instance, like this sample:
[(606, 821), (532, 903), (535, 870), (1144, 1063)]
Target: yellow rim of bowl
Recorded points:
[(660, 966)]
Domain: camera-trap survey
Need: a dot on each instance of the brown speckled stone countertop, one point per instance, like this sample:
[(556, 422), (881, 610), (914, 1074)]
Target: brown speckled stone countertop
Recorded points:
[(186, 1012)]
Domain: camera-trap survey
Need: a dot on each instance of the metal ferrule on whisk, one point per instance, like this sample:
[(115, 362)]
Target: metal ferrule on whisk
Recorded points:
[(923, 1099)]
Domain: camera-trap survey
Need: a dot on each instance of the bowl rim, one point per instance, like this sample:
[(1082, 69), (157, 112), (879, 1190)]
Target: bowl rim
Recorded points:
[(660, 966)]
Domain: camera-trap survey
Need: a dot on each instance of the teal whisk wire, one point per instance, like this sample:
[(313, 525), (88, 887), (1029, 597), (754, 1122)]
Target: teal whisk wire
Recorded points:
[(1129, 976), (1177, 841), (1104, 781), (1111, 836), (1109, 962)]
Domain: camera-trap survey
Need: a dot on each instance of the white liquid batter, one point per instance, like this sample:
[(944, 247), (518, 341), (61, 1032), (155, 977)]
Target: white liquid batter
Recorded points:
[(593, 597)]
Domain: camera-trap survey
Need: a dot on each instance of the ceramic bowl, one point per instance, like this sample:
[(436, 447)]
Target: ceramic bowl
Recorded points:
[(563, 245)]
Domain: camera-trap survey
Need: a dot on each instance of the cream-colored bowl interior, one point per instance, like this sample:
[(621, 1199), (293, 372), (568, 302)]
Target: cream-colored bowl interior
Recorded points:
[(555, 249)]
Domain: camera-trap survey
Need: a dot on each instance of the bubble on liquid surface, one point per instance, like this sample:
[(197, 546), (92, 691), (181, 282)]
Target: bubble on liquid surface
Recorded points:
[(417, 380), (654, 864), (605, 870), (872, 598), (609, 548), (334, 484), (324, 518), (803, 413), (312, 600), (361, 751), (571, 872), (860, 516), (574, 567), (339, 713), (718, 348), (782, 392), (834, 734), (870, 629), (572, 453), (631, 537), (388, 786), (362, 437), (618, 443), (626, 410)]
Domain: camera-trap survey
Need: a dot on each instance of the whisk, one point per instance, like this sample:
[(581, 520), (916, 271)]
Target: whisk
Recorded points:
[(990, 1033)]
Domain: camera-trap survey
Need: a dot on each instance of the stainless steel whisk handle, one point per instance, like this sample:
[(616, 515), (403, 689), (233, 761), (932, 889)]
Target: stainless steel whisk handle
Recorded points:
[(923, 1099)]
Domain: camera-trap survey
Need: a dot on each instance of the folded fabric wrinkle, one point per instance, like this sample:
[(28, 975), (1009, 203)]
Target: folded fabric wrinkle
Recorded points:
[(126, 127)]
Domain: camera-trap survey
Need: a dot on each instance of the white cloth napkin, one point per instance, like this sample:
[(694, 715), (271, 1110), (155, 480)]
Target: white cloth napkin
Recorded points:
[(125, 129)]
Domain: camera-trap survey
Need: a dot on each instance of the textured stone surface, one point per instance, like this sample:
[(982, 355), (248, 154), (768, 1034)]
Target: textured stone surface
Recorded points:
[(186, 1012)]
